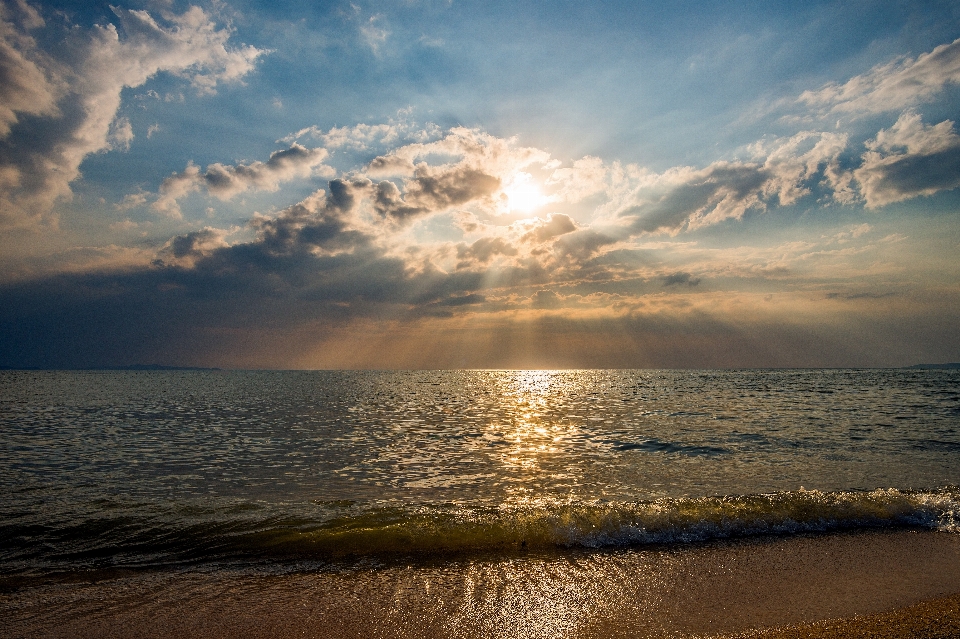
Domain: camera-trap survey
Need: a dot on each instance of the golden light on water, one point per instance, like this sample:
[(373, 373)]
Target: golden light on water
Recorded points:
[(529, 392), (535, 434)]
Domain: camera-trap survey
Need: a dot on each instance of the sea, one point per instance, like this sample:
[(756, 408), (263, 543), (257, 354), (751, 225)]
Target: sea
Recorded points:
[(108, 475)]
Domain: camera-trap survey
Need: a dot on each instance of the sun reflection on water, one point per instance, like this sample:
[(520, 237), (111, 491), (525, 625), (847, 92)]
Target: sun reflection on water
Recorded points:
[(534, 433)]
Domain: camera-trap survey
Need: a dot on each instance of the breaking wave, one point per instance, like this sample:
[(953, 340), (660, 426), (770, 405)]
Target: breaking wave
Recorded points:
[(332, 530)]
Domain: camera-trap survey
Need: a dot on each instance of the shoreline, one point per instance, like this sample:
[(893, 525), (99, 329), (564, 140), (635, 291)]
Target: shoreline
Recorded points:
[(875, 583)]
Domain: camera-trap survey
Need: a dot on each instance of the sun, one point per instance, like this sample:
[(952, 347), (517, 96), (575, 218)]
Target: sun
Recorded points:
[(523, 194)]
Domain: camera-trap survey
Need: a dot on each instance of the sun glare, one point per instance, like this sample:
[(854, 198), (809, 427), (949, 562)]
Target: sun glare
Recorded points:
[(523, 194)]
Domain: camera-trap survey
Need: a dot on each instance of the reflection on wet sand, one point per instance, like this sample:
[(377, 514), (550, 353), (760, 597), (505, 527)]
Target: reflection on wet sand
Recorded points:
[(704, 590)]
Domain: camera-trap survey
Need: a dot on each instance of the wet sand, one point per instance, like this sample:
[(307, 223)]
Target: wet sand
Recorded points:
[(937, 619), (767, 587)]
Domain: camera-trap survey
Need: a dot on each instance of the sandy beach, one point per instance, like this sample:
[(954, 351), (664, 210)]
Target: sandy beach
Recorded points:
[(937, 619), (874, 584)]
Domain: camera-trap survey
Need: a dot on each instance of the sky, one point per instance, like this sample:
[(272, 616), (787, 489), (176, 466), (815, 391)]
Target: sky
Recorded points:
[(449, 184)]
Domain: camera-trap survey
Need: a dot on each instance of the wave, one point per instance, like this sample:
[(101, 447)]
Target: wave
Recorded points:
[(334, 530), (597, 525)]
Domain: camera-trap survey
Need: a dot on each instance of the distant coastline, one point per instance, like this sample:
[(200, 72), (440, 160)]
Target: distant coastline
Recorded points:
[(927, 367), (130, 367), (161, 367)]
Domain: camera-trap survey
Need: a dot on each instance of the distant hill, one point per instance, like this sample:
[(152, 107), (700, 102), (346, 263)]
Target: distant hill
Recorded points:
[(950, 366)]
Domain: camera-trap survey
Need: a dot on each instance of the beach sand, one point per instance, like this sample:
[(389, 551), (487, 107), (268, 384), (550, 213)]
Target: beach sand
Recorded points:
[(873, 584), (937, 619)]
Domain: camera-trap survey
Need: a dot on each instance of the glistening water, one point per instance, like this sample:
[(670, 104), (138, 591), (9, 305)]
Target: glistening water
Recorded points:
[(110, 469)]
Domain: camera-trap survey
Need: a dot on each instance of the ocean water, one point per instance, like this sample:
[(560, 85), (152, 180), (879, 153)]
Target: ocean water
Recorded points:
[(206, 470)]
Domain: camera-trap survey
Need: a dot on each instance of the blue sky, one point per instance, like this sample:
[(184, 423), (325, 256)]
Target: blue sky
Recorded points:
[(449, 184)]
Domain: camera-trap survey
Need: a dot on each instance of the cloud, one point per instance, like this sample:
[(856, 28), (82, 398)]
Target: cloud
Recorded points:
[(318, 225), (546, 299), (26, 87), (250, 305), (318, 272), (436, 189), (187, 248), (426, 188), (908, 160), (680, 278), (131, 201), (121, 134), (555, 225), (225, 182), (892, 86), (463, 300), (313, 254), (373, 34), (588, 176), (466, 166), (430, 190), (483, 251), (689, 198), (462, 147), (359, 136), (75, 97), (390, 166), (582, 244), (692, 198), (793, 163), (854, 233)]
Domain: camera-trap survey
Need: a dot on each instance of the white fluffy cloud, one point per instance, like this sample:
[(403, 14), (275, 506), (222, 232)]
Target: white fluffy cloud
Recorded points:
[(466, 166), (25, 87), (359, 136), (892, 86), (689, 198), (79, 94), (461, 146), (908, 160), (794, 162)]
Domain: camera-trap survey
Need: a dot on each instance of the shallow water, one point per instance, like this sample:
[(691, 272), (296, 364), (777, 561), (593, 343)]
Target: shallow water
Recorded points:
[(105, 470)]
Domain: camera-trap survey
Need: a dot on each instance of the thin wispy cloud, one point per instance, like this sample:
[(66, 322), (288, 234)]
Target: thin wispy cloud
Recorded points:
[(891, 86)]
